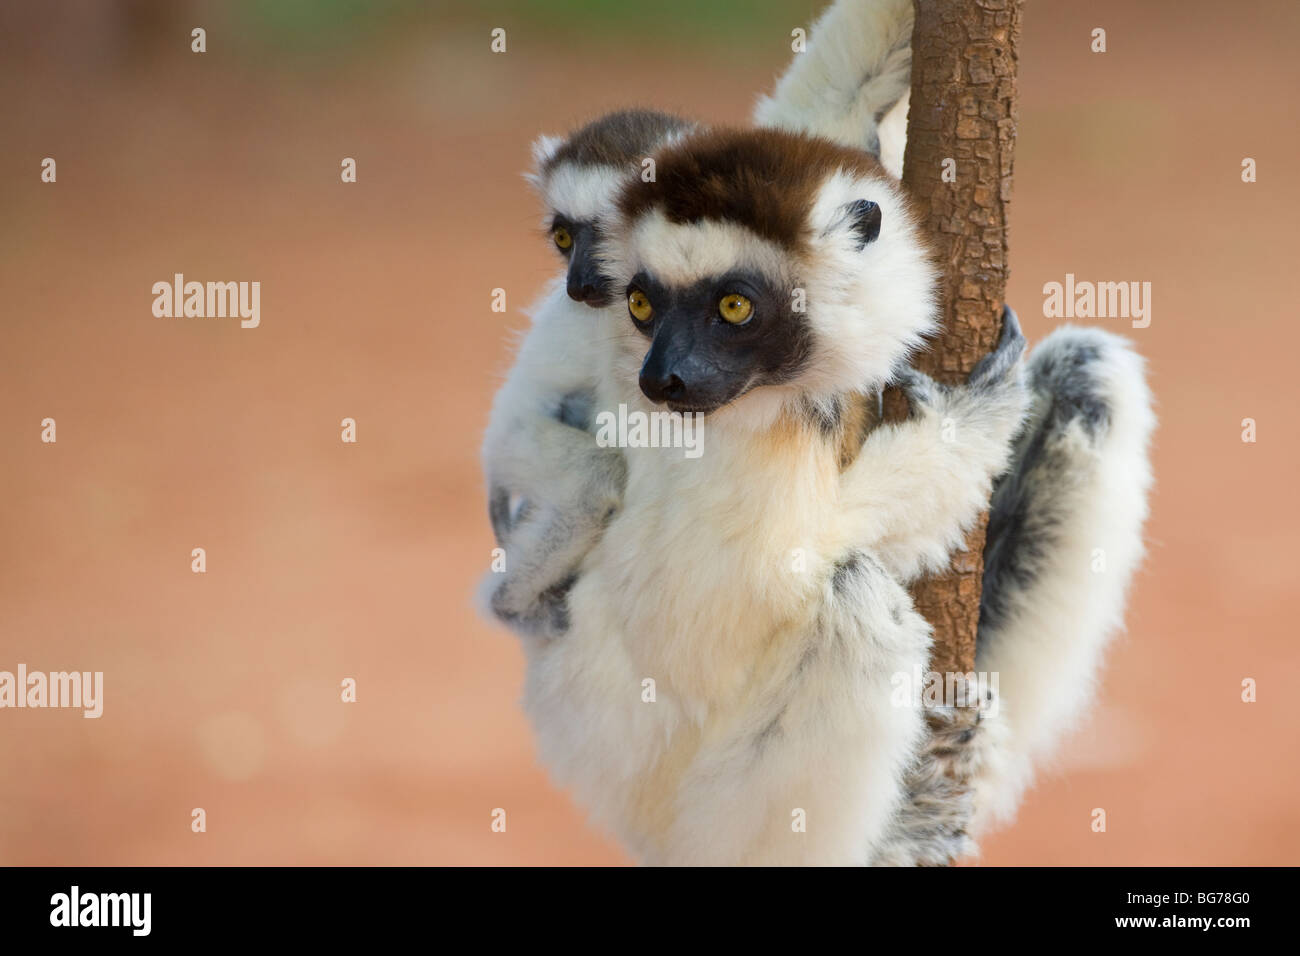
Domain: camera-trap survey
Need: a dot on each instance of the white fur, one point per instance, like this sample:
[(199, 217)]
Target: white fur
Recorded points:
[(559, 355), (683, 254), (857, 66), (693, 585), (583, 193), (544, 147), (878, 319)]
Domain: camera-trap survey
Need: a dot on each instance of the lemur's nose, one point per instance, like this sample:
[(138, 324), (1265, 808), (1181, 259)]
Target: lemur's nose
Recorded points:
[(669, 373), (582, 291), (585, 283), (665, 387)]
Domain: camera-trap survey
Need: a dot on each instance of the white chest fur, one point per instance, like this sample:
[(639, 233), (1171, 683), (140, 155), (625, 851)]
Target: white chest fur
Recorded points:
[(679, 613)]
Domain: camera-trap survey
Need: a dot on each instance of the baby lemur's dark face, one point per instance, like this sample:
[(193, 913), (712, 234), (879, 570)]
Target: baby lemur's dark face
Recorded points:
[(579, 177), (576, 240)]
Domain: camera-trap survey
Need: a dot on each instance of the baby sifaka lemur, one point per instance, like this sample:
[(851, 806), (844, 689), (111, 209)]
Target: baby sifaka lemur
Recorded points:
[(773, 735)]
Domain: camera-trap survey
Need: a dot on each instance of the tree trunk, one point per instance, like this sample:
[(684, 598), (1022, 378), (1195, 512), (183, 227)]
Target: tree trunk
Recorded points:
[(963, 109)]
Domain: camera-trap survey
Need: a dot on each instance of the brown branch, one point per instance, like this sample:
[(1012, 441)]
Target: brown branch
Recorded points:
[(963, 108)]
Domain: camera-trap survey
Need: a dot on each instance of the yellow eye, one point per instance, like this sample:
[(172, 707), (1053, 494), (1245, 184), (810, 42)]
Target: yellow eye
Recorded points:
[(639, 306), (735, 308), (562, 237)]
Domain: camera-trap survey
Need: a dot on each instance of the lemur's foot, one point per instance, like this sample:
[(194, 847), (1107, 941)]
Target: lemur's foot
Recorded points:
[(544, 535), (540, 550), (930, 828), (544, 614)]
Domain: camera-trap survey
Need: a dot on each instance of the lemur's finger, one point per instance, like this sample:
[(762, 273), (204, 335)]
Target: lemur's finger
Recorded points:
[(920, 389), (1012, 339), (499, 513), (1011, 345)]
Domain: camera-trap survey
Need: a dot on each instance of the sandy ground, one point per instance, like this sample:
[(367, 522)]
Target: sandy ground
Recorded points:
[(327, 560)]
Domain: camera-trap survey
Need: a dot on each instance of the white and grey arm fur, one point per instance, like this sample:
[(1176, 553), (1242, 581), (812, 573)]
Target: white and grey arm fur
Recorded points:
[(857, 67)]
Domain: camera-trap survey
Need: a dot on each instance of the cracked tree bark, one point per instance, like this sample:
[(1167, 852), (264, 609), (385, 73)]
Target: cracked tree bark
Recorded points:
[(962, 118)]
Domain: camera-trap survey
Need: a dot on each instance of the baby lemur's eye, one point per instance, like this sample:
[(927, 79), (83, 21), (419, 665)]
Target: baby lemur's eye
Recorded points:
[(639, 306), (735, 308), (562, 238)]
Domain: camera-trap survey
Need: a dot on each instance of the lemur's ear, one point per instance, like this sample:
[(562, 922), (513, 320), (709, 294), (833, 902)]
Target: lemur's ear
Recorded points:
[(862, 218), (544, 149)]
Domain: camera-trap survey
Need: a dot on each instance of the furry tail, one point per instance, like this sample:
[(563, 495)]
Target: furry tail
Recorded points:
[(1064, 539), (857, 66)]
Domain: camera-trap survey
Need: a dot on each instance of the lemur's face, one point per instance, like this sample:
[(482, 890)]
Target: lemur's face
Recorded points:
[(577, 198), (579, 178), (576, 241), (714, 338), (765, 263)]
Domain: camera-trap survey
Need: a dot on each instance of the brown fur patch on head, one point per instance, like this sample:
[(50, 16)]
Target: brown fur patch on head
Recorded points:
[(765, 180), (618, 139)]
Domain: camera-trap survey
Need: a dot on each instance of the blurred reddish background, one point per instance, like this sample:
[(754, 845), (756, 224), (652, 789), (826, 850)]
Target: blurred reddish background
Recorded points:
[(328, 560)]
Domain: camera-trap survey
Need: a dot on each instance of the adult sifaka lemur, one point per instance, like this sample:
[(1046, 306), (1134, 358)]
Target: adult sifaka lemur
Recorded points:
[(734, 719)]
